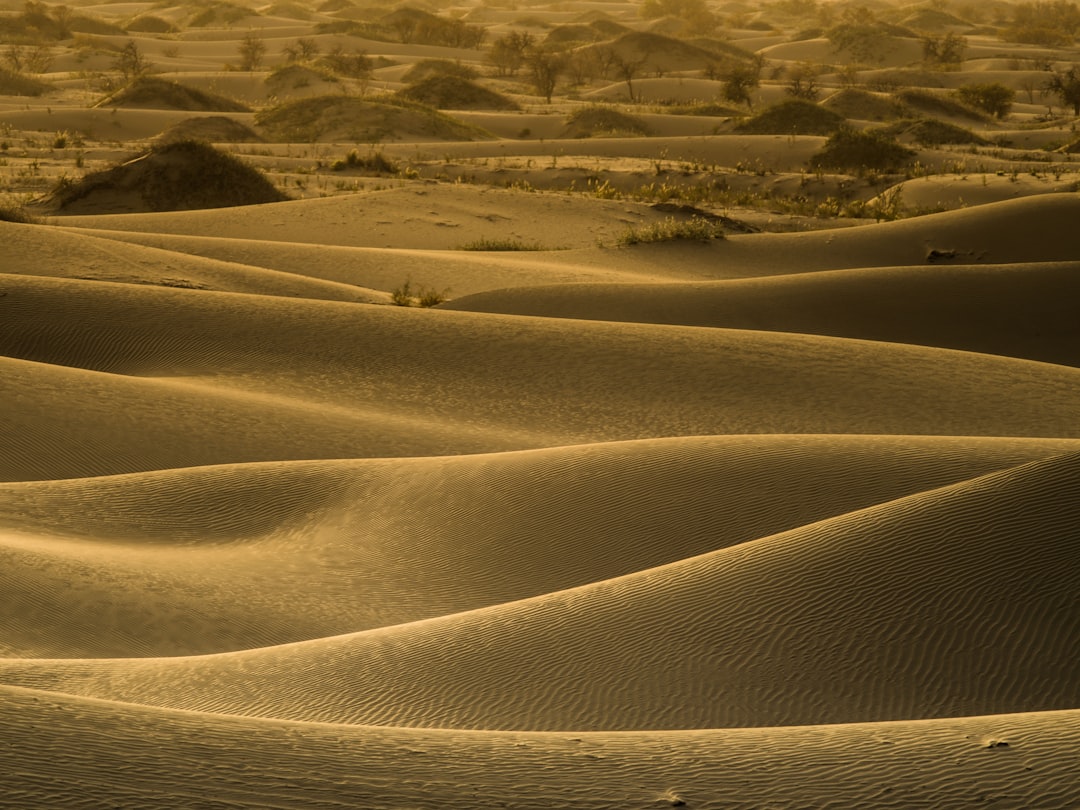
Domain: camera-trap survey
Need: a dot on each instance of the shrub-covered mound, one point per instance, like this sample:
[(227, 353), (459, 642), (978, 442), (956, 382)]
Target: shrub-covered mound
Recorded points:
[(862, 104), (427, 68), (932, 132), (153, 93), (345, 118), (939, 104), (455, 93), (852, 150), (210, 129), (180, 176), (149, 24), (590, 122), (794, 116)]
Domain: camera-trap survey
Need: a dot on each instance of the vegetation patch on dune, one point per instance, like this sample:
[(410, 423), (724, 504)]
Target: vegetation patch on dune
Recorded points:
[(932, 132), (939, 104), (455, 93), (19, 84), (852, 102), (593, 121), (296, 77), (793, 116), (160, 94), (429, 68), (149, 24), (361, 121), (695, 229), (178, 176), (853, 150), (211, 129)]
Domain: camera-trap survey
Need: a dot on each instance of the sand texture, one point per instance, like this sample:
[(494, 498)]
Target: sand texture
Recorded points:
[(527, 452)]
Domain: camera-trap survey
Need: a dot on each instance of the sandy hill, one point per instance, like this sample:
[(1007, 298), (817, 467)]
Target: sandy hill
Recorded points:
[(161, 94), (210, 128), (169, 176)]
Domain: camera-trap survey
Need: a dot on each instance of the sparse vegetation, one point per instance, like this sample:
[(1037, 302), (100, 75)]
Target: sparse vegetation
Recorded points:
[(861, 151), (794, 116), (409, 296), (501, 244), (375, 162), (695, 229), (993, 98)]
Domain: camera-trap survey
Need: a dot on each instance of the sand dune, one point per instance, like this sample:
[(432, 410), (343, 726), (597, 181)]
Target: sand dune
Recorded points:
[(1017, 310), (805, 627), (637, 515), (250, 555)]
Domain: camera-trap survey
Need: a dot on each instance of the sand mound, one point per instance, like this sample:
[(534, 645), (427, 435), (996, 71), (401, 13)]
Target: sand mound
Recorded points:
[(169, 176), (932, 132), (160, 94), (288, 79), (16, 84), (210, 128), (150, 24), (329, 118), (590, 122), (455, 93), (653, 53)]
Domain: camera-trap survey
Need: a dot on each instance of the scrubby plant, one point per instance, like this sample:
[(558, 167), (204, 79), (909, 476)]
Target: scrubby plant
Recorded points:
[(696, 229), (374, 162), (993, 98), (408, 296), (501, 244), (1066, 86), (585, 122), (861, 151)]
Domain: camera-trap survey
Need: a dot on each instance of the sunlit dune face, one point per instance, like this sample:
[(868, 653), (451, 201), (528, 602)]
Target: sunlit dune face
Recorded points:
[(654, 404)]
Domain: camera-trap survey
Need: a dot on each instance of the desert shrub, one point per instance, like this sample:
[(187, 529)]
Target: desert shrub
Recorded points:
[(17, 214), (932, 132), (993, 98), (375, 162), (793, 116), (409, 296), (850, 149), (455, 93), (703, 109), (695, 229), (1066, 86), (16, 84), (586, 122), (501, 244)]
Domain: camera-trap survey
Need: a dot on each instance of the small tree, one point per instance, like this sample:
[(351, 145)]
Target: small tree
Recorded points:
[(1066, 86), (544, 69), (802, 81), (945, 52), (507, 53), (993, 98), (304, 50), (628, 70), (130, 62), (252, 51)]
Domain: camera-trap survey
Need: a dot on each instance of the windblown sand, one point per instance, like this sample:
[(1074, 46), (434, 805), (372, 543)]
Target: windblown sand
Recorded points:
[(782, 520)]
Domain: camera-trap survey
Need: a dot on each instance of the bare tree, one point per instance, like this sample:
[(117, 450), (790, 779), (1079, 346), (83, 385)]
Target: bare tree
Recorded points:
[(130, 62), (544, 69), (252, 51)]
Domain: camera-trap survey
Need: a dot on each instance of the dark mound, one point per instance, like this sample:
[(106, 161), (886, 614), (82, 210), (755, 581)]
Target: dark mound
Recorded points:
[(862, 104), (939, 104), (180, 176), (159, 94), (209, 129), (345, 118), (589, 122), (289, 78), (654, 53), (149, 24), (932, 132), (455, 93), (852, 150), (794, 116), (430, 68)]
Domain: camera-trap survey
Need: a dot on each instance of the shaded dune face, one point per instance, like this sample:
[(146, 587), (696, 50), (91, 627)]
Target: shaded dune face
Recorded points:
[(590, 451)]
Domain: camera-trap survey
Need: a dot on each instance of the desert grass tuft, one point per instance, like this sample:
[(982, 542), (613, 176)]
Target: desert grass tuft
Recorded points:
[(695, 229)]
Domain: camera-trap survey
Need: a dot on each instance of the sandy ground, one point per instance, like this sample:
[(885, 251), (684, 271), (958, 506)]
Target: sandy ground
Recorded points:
[(784, 518)]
